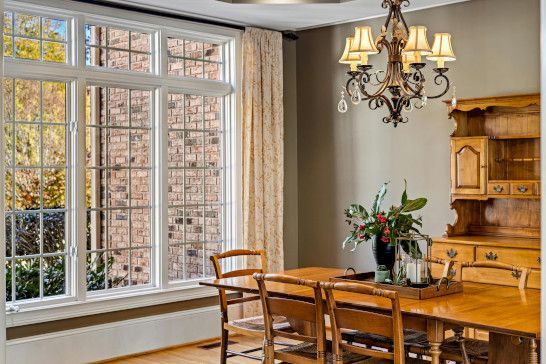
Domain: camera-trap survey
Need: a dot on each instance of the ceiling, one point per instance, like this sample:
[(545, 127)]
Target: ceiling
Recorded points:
[(278, 17)]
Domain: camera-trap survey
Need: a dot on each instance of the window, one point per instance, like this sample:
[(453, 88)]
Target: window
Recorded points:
[(35, 37), (194, 59), (117, 48), (118, 187), (195, 184), (119, 166), (36, 178)]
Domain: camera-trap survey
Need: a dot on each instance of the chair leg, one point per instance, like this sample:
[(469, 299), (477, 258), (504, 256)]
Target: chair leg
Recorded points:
[(268, 352), (460, 339), (224, 346)]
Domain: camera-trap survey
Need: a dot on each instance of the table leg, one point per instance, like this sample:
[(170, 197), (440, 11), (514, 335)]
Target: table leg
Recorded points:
[(435, 334), (533, 355)]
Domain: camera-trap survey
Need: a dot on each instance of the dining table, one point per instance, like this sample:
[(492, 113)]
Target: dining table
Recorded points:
[(510, 315)]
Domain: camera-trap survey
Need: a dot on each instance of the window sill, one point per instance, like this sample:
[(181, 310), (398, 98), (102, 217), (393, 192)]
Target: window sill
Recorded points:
[(103, 304)]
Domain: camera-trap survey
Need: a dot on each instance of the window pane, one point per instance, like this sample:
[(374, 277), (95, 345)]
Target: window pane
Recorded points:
[(8, 98), (118, 148), (118, 188), (27, 48), (176, 187), (118, 229), (175, 47), (95, 35), (213, 223), (27, 100), (9, 234), (54, 188), (8, 196), (54, 52), (8, 143), (193, 148), (117, 59), (117, 38), (210, 250), (27, 189), (27, 279), (195, 59), (54, 276), (54, 233), (140, 267), (118, 107), (176, 66), (8, 22), (8, 46), (141, 42), (213, 71), (96, 271), (193, 49), (176, 263), (27, 233), (9, 275), (140, 62), (213, 186), (96, 230), (140, 187), (193, 254), (194, 224), (118, 268), (176, 111), (193, 68), (140, 228), (213, 52), (176, 225), (54, 145), (140, 108), (54, 102), (27, 25), (27, 144), (53, 29)]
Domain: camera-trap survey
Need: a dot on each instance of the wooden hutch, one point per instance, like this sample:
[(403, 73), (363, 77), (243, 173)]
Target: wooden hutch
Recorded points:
[(495, 187)]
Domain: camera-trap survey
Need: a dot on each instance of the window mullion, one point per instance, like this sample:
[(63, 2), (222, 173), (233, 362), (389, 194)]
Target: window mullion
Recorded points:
[(78, 191), (161, 179)]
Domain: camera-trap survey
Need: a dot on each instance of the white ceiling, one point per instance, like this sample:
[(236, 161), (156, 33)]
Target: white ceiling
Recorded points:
[(278, 17)]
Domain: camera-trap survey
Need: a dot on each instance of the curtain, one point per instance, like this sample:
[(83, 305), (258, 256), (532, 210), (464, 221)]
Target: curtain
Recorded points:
[(263, 139)]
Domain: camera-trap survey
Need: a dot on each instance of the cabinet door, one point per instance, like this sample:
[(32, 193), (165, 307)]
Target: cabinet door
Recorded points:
[(468, 166)]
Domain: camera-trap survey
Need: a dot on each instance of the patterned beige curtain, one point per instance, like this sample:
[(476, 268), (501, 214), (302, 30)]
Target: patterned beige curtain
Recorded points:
[(263, 136)]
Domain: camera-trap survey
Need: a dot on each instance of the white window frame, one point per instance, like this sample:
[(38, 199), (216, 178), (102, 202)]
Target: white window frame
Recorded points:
[(79, 76)]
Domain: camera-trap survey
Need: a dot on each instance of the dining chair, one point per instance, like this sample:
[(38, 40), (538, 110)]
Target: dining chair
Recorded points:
[(385, 324), (311, 346), (252, 326), (415, 341), (468, 350)]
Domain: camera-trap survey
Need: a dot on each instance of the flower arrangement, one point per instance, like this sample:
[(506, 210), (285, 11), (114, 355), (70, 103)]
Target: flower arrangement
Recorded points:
[(385, 226)]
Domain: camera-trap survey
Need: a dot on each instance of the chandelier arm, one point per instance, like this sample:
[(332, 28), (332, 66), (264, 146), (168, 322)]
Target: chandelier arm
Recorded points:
[(405, 83), (381, 89), (438, 80)]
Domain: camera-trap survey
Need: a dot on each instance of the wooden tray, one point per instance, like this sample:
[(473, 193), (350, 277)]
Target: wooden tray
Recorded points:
[(406, 292)]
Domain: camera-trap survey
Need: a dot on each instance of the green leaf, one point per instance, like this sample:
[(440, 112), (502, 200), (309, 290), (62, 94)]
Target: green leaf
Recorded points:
[(414, 205), (379, 198), (405, 193)]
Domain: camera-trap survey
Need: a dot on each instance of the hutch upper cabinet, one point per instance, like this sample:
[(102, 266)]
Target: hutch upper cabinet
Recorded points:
[(495, 187)]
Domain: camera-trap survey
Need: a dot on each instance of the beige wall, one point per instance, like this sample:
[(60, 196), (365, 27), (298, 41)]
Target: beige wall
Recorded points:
[(344, 158), (291, 156)]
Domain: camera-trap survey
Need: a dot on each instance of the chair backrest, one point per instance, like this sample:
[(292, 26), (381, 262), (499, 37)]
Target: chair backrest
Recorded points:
[(307, 310), (385, 324), (239, 272), (520, 273), (216, 262)]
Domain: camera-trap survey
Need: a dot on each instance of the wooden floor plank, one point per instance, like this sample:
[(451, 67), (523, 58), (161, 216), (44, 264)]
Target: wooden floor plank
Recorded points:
[(195, 353)]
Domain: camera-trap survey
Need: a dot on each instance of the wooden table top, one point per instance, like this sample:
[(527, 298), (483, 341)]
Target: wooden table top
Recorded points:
[(494, 308)]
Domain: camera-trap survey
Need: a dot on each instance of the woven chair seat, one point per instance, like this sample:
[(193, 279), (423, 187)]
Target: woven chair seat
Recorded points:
[(414, 338), (476, 349), (256, 323), (309, 351)]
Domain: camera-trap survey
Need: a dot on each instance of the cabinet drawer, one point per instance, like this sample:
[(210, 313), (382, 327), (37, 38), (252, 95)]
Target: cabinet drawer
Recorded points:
[(498, 188), (537, 188), (521, 188), (460, 253), (521, 257)]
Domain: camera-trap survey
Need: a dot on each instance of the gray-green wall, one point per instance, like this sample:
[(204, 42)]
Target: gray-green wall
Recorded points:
[(344, 158)]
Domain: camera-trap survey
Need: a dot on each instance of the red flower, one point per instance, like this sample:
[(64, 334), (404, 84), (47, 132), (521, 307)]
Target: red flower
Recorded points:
[(360, 236), (387, 231), (385, 239), (362, 227), (381, 218)]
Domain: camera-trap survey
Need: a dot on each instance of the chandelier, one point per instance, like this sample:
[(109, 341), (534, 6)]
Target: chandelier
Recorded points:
[(403, 78)]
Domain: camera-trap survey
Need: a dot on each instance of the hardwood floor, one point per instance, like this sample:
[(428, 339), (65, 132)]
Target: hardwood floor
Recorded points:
[(207, 352)]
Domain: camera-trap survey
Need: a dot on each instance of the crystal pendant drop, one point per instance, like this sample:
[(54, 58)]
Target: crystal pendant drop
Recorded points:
[(342, 104), (424, 99), (454, 97), (356, 96)]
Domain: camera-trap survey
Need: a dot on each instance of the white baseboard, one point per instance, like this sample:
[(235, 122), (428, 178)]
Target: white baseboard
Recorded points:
[(116, 339)]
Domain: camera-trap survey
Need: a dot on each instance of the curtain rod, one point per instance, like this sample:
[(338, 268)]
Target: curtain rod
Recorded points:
[(286, 34)]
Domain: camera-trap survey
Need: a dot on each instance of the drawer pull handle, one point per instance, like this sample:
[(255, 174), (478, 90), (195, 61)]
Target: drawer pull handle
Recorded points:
[(539, 260), (516, 274), (491, 256), (522, 189), (452, 273), (498, 188), (452, 253)]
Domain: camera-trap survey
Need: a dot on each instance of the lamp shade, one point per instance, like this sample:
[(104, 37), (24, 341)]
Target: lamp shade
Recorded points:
[(441, 49), (363, 41), (417, 40), (349, 57)]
